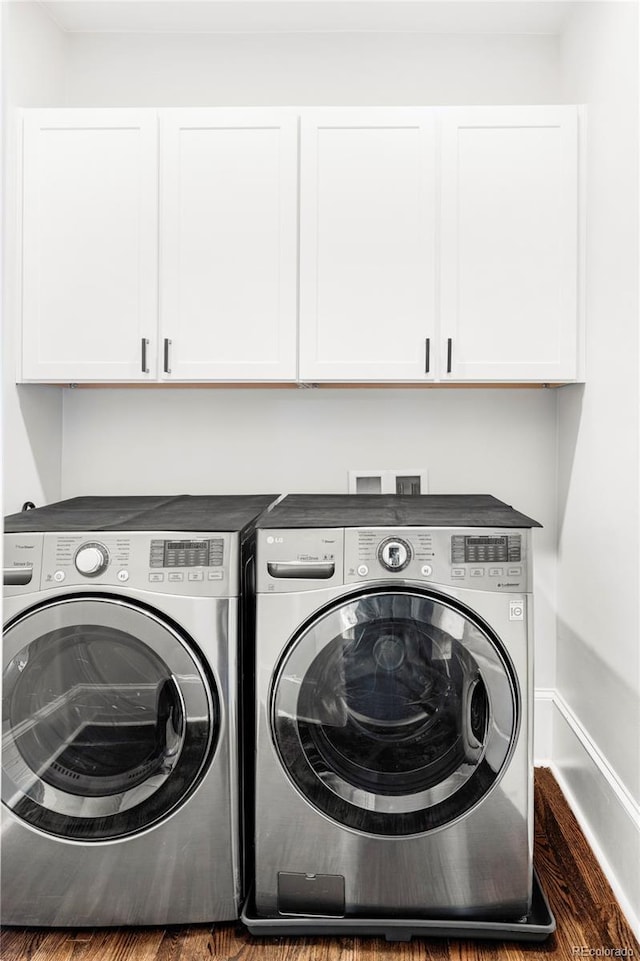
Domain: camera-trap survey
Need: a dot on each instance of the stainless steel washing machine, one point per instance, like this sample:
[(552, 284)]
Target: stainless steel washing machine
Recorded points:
[(393, 769), (120, 794)]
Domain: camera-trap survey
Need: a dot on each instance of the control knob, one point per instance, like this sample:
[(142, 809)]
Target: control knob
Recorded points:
[(394, 554), (91, 559)]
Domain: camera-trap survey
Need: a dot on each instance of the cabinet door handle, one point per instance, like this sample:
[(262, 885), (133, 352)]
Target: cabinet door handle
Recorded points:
[(145, 344), (449, 352), (167, 345), (427, 354)]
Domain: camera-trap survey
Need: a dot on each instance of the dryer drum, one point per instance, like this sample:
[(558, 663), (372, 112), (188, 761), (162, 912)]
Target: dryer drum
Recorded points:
[(95, 718), (108, 718)]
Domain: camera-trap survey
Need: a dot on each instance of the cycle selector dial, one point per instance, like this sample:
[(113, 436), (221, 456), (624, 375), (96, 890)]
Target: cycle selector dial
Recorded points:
[(394, 554), (91, 559)]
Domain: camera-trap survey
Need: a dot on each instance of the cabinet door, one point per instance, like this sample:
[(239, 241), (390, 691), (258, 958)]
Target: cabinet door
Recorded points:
[(228, 295), (509, 243), (89, 245), (367, 245)]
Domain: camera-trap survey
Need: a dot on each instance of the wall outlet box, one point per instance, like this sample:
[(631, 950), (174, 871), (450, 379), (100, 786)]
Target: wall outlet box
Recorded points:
[(394, 481)]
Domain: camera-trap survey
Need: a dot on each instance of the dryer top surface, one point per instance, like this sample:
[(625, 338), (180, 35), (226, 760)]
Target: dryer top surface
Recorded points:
[(382, 510), (182, 512)]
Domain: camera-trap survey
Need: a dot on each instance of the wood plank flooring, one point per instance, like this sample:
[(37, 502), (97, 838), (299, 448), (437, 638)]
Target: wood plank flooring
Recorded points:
[(587, 916)]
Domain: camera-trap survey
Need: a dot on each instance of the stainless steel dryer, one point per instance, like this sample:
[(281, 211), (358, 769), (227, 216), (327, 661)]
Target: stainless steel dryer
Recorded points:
[(393, 755), (120, 799)]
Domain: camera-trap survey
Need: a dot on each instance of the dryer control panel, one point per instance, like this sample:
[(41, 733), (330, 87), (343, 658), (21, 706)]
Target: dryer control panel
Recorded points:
[(479, 559), (190, 564)]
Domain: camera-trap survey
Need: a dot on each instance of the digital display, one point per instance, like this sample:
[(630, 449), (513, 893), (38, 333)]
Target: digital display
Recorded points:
[(186, 545), (485, 541), (478, 549), (207, 553)]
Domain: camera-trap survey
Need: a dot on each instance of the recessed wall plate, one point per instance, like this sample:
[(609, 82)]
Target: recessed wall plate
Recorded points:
[(389, 481)]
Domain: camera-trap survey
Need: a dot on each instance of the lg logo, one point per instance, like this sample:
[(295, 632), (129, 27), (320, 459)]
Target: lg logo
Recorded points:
[(275, 540)]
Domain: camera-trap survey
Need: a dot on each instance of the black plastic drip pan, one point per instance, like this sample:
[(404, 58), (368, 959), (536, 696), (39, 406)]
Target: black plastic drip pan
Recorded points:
[(537, 926)]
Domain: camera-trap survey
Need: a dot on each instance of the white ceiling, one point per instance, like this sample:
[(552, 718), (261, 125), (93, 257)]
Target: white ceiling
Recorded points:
[(285, 16)]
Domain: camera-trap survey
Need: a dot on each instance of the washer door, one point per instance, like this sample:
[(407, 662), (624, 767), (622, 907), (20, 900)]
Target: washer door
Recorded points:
[(108, 718), (394, 713)]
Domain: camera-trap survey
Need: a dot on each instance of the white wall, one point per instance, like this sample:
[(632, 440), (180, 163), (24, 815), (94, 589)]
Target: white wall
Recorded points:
[(499, 442), (33, 75), (598, 666), (332, 68)]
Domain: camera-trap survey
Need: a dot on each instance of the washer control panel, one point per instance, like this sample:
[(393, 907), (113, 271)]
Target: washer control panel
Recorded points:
[(478, 559), (188, 564)]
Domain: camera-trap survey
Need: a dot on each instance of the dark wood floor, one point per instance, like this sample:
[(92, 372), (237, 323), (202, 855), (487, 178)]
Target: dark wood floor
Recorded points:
[(586, 913)]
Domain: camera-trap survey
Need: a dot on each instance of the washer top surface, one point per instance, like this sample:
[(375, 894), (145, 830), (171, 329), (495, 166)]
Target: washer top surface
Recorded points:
[(393, 510), (183, 512)]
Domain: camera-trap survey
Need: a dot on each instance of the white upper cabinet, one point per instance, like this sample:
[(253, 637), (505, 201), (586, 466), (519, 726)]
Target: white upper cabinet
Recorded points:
[(509, 230), (345, 245), (228, 284), (367, 236), (89, 244)]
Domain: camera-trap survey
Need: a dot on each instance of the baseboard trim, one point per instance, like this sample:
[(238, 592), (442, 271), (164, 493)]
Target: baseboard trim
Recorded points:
[(605, 810), (623, 797)]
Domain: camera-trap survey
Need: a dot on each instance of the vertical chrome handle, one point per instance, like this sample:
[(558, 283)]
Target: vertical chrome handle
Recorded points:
[(427, 354), (449, 352), (143, 359), (167, 345)]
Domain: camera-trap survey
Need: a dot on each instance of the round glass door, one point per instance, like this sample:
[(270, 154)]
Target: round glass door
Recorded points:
[(108, 718), (395, 712)]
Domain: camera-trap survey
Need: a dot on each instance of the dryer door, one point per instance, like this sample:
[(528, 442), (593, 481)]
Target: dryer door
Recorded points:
[(395, 712), (108, 718)]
